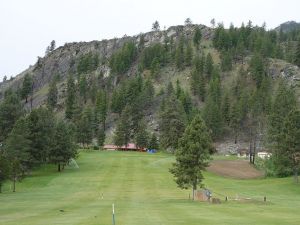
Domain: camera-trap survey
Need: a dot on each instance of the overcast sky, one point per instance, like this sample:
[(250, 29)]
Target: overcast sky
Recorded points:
[(28, 26)]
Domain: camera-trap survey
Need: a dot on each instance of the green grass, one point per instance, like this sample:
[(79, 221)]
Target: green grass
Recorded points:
[(143, 192)]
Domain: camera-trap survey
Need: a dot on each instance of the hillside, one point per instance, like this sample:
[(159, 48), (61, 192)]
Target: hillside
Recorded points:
[(143, 193), (102, 66)]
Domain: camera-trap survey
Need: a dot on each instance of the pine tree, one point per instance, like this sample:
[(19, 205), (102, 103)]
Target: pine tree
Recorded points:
[(202, 88), (83, 88), (284, 102), (179, 57), (235, 120), (171, 123), (26, 87), (123, 131), (212, 111), (209, 65), (70, 99), (4, 169), (64, 147), (101, 109), (142, 136), (197, 37), (193, 155), (155, 66), (52, 95), (10, 110), (290, 140), (153, 143), (41, 124), (226, 61), (188, 55), (155, 26), (85, 127), (17, 146), (226, 108), (257, 69), (101, 137), (297, 55)]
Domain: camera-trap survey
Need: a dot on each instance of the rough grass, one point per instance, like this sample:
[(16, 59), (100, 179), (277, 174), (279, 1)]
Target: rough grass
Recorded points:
[(144, 193)]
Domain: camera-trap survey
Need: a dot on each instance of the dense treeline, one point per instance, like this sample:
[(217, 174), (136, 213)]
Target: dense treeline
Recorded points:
[(32, 139)]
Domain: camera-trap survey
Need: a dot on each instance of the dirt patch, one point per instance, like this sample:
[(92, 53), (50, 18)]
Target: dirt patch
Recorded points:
[(240, 169)]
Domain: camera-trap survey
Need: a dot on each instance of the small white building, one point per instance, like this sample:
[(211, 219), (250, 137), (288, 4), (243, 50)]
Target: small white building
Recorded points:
[(264, 155)]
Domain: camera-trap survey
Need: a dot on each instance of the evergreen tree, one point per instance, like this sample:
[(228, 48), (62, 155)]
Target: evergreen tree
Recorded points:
[(155, 26), (142, 136), (4, 169), (101, 137), (297, 55), (122, 132), (197, 37), (257, 69), (52, 95), (188, 22), (64, 147), (283, 103), (212, 110), (83, 88), (52, 45), (101, 108), (70, 99), (290, 140), (172, 123), (153, 143), (226, 61), (209, 65), (26, 87), (188, 55), (235, 120), (193, 155), (154, 69), (10, 111), (17, 146), (179, 57), (85, 127), (148, 93), (226, 108), (41, 125)]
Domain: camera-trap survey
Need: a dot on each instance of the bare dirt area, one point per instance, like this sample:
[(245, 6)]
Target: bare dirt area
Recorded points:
[(239, 169)]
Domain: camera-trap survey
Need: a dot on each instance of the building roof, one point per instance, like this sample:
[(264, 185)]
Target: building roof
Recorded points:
[(130, 146)]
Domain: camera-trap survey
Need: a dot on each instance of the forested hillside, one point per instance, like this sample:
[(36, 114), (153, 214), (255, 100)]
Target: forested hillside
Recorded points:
[(146, 89)]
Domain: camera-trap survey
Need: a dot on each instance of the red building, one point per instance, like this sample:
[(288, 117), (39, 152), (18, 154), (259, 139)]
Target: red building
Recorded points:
[(128, 147)]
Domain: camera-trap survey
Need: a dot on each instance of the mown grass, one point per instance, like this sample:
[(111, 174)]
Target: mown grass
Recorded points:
[(143, 192)]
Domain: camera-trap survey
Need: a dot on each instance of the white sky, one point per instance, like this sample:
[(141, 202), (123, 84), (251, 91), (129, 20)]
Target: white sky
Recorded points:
[(28, 26)]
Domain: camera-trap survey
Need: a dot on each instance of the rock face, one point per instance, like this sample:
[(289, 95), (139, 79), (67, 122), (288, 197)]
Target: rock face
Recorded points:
[(288, 26), (63, 60), (280, 68)]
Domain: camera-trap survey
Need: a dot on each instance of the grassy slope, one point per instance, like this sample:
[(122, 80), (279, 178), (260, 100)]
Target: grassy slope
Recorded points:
[(143, 191)]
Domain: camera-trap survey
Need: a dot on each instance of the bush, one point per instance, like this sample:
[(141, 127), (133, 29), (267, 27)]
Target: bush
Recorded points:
[(96, 147)]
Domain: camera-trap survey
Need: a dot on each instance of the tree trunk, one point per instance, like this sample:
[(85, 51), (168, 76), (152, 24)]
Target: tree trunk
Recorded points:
[(14, 184), (194, 188), (58, 167), (235, 137)]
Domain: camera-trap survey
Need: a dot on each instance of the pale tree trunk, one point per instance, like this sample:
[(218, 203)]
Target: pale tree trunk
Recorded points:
[(194, 189)]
